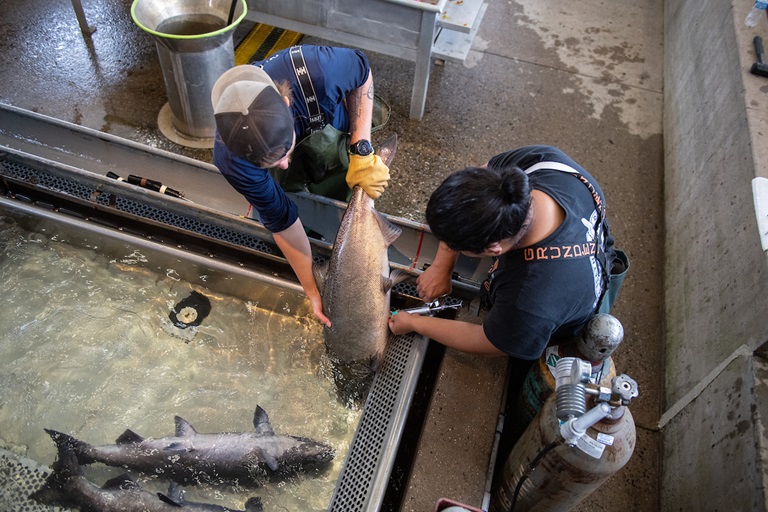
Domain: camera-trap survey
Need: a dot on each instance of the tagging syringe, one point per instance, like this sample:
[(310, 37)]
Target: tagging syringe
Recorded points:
[(429, 308)]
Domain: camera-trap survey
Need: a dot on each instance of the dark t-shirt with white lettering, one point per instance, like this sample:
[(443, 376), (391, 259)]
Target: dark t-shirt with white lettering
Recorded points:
[(548, 291)]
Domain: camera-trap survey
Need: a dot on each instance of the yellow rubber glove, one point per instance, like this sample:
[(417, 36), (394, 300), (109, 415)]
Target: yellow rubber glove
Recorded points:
[(369, 172)]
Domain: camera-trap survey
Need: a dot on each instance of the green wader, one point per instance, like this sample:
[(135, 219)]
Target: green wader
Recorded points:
[(319, 162)]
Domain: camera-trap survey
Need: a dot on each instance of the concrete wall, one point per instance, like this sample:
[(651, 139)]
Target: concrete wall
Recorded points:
[(716, 299)]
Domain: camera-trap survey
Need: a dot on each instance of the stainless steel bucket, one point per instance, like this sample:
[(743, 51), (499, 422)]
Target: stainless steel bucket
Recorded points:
[(194, 45)]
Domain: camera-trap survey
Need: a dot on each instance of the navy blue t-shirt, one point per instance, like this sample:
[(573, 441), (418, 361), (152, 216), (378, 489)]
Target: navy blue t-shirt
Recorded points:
[(335, 72), (550, 290)]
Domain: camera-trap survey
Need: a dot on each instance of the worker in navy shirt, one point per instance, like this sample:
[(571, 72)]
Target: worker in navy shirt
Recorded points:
[(299, 120), (539, 215)]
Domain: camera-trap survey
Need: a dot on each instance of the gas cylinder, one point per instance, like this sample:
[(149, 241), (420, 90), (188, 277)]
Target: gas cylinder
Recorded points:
[(567, 452), (599, 339)]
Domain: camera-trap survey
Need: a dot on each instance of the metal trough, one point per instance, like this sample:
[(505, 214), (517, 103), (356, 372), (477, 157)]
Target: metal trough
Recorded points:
[(371, 457), (70, 149), (46, 185)]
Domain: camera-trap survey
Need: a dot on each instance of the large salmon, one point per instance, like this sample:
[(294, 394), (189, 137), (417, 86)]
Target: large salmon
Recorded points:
[(68, 487), (189, 458), (356, 284)]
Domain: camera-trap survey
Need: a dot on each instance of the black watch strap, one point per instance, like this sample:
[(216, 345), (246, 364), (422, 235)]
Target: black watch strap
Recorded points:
[(361, 147)]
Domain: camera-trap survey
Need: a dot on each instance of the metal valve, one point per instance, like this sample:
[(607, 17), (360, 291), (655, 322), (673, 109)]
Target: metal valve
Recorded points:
[(571, 391), (623, 389)]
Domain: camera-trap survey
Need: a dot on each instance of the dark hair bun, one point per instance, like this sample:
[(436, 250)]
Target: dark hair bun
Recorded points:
[(514, 185)]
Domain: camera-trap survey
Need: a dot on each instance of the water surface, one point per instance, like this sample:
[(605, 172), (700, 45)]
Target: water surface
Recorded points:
[(87, 349)]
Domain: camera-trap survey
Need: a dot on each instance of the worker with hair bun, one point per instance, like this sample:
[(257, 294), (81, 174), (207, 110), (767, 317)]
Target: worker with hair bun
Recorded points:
[(541, 217)]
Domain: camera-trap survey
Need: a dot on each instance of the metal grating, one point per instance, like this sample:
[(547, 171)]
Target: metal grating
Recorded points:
[(48, 181), (20, 477), (82, 191), (408, 288), (361, 474)]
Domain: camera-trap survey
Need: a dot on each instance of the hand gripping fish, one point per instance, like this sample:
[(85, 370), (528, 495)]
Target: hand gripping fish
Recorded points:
[(238, 458), (355, 282)]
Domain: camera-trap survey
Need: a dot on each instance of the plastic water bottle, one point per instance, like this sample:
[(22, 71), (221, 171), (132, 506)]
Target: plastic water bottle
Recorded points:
[(758, 10)]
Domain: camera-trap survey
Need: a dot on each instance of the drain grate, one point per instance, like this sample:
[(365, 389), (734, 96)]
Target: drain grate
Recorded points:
[(87, 192), (47, 180), (364, 477)]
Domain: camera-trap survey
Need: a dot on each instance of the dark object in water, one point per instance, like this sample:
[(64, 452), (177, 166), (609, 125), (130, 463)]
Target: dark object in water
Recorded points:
[(191, 311), (240, 458), (67, 486)]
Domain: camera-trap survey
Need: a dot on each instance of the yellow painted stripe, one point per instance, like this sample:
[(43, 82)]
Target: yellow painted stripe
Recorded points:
[(286, 40), (259, 36), (251, 43)]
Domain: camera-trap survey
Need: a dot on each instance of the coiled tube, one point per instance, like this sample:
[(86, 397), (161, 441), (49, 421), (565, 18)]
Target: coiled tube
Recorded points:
[(571, 374)]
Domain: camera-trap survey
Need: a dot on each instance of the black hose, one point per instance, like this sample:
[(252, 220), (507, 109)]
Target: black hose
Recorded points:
[(531, 466), (231, 12)]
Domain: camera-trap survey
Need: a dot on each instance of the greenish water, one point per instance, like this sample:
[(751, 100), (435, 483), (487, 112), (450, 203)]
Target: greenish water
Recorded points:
[(86, 350)]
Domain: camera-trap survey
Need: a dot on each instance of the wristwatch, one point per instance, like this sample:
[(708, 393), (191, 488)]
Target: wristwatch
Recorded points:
[(362, 147)]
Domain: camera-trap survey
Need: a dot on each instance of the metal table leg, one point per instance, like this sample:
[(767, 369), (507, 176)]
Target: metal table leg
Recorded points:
[(423, 63), (84, 28)]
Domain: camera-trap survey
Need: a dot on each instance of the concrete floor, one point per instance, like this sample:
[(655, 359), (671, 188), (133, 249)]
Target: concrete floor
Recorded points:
[(584, 76)]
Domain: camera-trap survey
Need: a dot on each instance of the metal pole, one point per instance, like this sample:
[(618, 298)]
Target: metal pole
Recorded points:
[(84, 28)]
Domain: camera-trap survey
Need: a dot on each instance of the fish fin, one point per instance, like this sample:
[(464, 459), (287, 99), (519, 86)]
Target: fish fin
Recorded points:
[(388, 149), (261, 422), (55, 489), (320, 272), (399, 276), (395, 277), (183, 427), (120, 482), (129, 437), (66, 464), (80, 448), (270, 461), (254, 505), (175, 496), (61, 438), (169, 501), (175, 492), (374, 362), (175, 447), (388, 230)]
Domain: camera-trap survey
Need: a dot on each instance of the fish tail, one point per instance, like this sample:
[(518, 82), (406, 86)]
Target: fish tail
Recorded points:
[(81, 449), (54, 490), (48, 494)]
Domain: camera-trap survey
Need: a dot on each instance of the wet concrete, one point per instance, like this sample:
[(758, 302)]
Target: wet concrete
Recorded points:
[(584, 76)]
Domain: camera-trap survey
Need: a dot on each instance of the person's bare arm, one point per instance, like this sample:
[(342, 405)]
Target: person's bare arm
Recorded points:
[(294, 244), (360, 108), (367, 171), (456, 334), (435, 281)]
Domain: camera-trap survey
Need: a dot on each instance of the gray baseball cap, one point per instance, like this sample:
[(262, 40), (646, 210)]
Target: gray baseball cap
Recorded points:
[(251, 117)]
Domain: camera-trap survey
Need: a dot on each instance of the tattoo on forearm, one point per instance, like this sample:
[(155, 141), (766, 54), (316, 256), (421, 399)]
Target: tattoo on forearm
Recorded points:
[(370, 92), (358, 96)]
